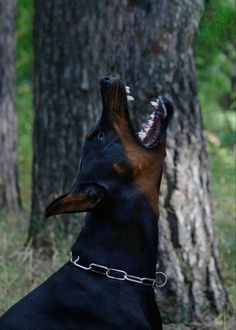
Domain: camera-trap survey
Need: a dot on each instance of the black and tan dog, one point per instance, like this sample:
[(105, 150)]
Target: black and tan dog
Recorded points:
[(108, 282)]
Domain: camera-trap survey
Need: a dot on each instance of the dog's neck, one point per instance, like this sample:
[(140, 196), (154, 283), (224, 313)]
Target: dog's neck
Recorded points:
[(122, 234)]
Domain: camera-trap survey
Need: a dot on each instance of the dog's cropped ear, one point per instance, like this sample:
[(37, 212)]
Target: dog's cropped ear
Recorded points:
[(76, 200)]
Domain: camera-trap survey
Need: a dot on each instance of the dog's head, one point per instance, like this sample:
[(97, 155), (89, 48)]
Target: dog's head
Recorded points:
[(114, 155)]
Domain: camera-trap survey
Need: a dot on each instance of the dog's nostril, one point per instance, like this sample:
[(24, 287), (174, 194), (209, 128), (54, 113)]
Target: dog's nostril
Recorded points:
[(106, 82)]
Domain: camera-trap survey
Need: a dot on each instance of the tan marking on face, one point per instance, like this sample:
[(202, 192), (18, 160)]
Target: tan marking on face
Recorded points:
[(120, 170), (71, 203)]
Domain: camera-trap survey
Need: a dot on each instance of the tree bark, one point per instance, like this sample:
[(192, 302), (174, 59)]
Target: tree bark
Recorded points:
[(60, 87), (150, 44), (9, 188)]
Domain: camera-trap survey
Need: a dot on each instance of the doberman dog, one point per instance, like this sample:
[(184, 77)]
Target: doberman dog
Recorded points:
[(108, 283)]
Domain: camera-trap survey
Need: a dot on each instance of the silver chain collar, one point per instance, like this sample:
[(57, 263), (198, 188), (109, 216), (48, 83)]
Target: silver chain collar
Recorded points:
[(120, 275)]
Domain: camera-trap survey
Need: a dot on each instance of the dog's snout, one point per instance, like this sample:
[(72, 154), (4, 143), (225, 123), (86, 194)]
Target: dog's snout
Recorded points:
[(106, 82), (109, 81)]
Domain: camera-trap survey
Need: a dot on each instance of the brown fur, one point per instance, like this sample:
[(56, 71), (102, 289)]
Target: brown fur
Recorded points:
[(146, 164)]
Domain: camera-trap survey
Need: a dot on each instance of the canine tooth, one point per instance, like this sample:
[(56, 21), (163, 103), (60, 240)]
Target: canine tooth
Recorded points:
[(142, 135), (127, 90), (130, 98), (154, 104), (152, 116)]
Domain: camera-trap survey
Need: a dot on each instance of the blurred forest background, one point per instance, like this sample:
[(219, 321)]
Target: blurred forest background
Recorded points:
[(21, 267)]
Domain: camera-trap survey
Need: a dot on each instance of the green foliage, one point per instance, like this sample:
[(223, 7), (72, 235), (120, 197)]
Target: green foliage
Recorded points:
[(24, 95), (217, 29), (24, 31), (215, 57)]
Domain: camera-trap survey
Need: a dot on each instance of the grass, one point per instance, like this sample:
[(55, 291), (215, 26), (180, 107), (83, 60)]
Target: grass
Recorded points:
[(21, 267)]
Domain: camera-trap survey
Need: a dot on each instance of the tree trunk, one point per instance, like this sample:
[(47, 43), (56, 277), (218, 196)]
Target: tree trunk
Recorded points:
[(60, 88), (9, 189), (150, 44)]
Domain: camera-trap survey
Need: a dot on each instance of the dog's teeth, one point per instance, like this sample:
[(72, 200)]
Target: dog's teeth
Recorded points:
[(127, 90), (150, 122), (147, 128), (163, 106), (152, 116), (130, 98), (154, 104), (142, 135)]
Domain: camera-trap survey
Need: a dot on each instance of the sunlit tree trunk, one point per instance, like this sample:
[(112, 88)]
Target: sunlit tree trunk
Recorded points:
[(9, 189), (150, 44)]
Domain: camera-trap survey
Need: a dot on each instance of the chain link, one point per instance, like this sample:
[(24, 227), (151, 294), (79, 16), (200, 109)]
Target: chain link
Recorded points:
[(120, 275)]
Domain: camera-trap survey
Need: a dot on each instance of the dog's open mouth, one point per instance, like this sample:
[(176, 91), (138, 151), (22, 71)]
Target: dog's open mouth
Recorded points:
[(150, 132)]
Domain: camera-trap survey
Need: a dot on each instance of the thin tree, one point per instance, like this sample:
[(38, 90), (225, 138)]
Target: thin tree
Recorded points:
[(9, 188), (150, 44)]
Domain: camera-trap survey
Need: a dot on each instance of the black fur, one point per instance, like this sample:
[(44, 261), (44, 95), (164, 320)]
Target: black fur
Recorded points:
[(120, 232)]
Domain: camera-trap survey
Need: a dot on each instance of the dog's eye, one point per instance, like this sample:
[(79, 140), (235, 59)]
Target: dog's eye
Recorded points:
[(101, 135)]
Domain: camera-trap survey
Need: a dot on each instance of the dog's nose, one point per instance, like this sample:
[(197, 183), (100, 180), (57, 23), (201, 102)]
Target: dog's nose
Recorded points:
[(106, 82), (109, 81)]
